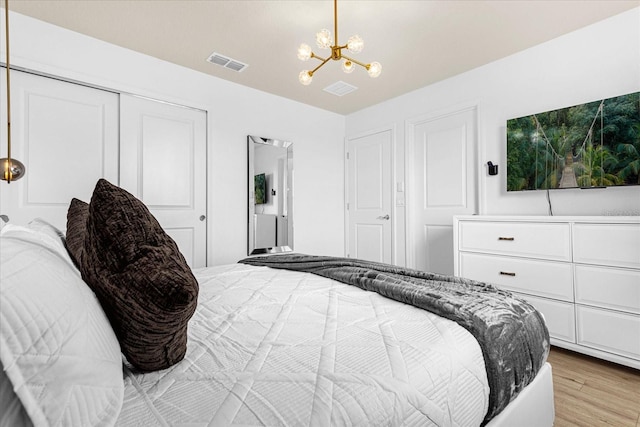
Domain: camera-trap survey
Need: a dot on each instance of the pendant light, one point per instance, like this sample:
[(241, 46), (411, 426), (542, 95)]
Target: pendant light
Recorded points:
[(324, 41), (12, 169)]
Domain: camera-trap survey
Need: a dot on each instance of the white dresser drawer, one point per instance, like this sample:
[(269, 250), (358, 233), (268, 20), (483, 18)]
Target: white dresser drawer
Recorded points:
[(607, 244), (534, 277), (559, 316), (614, 288), (609, 331), (537, 240)]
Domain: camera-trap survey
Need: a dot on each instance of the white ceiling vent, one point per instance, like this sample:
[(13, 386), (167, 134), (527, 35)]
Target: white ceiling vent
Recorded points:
[(225, 61), (340, 88)]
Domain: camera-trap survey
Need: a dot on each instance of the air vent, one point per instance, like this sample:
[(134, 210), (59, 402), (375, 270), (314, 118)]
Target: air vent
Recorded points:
[(340, 88), (225, 61)]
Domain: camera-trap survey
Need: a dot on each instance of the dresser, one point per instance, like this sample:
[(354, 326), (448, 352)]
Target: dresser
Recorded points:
[(582, 273)]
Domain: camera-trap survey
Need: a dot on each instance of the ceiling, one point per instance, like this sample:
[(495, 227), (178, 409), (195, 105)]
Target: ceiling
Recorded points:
[(417, 42)]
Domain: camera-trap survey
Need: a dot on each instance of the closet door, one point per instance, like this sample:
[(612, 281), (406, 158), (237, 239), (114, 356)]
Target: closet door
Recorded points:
[(67, 137), (163, 160)]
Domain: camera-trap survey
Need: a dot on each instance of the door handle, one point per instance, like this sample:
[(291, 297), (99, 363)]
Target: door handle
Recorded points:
[(202, 217), (386, 217)]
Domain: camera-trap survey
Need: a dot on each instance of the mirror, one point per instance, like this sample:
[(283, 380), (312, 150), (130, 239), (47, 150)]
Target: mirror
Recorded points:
[(270, 185)]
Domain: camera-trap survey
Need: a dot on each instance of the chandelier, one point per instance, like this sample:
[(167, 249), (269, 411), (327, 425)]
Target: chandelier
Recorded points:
[(324, 41)]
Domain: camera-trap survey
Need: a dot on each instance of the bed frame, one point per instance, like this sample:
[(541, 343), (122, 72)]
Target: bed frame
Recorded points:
[(532, 407)]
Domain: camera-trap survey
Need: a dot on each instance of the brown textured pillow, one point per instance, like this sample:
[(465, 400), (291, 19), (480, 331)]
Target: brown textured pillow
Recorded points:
[(77, 216), (140, 277)]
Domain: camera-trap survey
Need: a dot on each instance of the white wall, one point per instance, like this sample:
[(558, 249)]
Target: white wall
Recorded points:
[(596, 62), (234, 112)]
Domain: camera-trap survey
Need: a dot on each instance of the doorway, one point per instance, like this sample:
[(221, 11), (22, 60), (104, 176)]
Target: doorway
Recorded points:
[(369, 203), (441, 164)]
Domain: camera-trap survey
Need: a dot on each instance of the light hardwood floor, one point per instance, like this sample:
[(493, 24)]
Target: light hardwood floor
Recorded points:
[(592, 392)]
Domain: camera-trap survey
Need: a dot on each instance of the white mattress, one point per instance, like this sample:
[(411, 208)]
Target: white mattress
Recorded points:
[(275, 347)]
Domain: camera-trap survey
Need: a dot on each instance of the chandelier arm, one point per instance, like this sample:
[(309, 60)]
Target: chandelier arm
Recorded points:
[(318, 67), (356, 62), (313, 55)]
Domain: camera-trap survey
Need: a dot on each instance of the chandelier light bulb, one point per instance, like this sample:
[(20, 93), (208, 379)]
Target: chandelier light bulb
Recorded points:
[(347, 66), (355, 44), (304, 52), (323, 39), (374, 69), (305, 77)]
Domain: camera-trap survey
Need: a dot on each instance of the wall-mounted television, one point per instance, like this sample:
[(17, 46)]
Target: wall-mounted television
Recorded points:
[(260, 188), (596, 144)]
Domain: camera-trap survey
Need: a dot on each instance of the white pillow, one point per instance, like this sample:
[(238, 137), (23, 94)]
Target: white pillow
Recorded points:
[(56, 344)]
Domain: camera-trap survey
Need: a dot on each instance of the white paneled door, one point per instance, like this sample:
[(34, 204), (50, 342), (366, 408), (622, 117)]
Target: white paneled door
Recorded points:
[(67, 137), (369, 208), (441, 162), (163, 162)]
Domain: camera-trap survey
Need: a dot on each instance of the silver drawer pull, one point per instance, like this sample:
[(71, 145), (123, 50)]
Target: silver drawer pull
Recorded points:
[(506, 238), (507, 273)]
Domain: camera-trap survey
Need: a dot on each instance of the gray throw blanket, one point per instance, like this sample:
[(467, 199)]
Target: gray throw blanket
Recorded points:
[(512, 334)]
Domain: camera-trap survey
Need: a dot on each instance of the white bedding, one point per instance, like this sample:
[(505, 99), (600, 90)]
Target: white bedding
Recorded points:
[(275, 347)]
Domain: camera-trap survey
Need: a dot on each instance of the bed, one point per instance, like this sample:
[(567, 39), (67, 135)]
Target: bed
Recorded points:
[(263, 345)]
